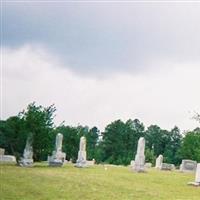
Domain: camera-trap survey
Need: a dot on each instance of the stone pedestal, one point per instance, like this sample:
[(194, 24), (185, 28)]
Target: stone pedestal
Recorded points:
[(25, 162)]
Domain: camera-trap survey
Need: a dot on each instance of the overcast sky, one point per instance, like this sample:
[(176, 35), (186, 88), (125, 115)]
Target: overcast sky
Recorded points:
[(102, 61)]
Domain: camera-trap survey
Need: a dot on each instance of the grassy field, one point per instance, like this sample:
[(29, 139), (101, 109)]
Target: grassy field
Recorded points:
[(94, 183)]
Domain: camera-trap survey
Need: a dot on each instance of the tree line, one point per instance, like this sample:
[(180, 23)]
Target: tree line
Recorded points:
[(117, 144)]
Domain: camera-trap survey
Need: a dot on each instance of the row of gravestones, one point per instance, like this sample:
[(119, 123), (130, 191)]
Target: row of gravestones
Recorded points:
[(58, 158), (138, 164)]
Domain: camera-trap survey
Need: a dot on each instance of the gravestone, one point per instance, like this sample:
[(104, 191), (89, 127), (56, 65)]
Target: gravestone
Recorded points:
[(197, 177), (27, 159), (139, 165), (58, 157), (2, 151), (159, 161), (167, 166), (91, 162), (132, 163), (188, 166), (8, 159), (148, 165), (81, 161)]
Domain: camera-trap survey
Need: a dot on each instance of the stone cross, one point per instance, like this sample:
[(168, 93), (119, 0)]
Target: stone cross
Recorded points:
[(140, 157)]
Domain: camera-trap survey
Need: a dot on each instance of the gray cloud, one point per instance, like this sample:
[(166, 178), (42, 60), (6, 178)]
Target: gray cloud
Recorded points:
[(104, 38), (164, 98)]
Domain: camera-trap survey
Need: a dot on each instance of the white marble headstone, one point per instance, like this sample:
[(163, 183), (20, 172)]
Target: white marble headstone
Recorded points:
[(197, 177), (81, 161), (188, 166), (159, 161), (139, 165), (58, 157), (27, 159)]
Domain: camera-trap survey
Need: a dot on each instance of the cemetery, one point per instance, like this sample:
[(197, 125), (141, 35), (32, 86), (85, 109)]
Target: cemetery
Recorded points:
[(69, 163), (59, 179), (99, 100)]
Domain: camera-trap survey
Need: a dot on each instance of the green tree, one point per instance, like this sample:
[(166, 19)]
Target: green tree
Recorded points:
[(156, 139), (39, 122), (172, 147), (13, 135), (120, 141), (92, 138), (190, 148)]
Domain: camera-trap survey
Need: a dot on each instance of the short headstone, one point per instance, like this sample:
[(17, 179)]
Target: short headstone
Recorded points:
[(188, 166), (148, 165), (27, 159), (132, 163), (90, 162), (58, 157), (8, 159), (167, 166), (139, 165), (197, 177), (159, 161), (82, 161), (2, 151)]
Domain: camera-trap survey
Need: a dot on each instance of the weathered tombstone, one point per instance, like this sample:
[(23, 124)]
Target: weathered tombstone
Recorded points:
[(91, 162), (81, 161), (188, 166), (58, 157), (148, 165), (197, 177), (167, 166), (139, 165), (159, 161), (6, 158), (27, 159), (132, 163), (2, 151)]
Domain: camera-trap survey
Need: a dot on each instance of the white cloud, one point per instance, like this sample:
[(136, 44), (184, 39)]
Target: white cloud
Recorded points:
[(157, 97)]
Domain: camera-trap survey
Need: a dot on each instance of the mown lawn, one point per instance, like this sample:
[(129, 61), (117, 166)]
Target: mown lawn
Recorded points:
[(95, 183)]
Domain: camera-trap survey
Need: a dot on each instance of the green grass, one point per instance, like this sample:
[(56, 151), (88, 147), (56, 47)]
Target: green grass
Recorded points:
[(95, 183)]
